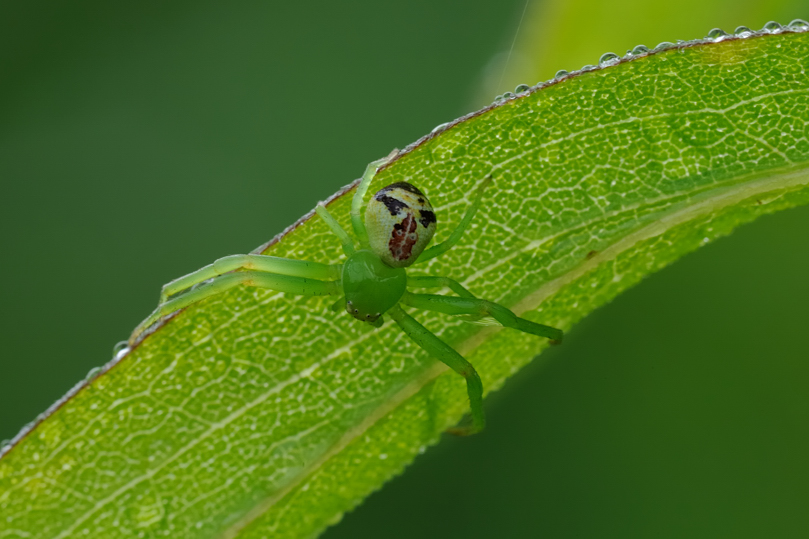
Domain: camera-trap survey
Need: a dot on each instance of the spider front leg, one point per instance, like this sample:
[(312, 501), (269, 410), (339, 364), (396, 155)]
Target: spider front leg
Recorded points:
[(447, 355), (474, 306), (301, 286), (264, 263)]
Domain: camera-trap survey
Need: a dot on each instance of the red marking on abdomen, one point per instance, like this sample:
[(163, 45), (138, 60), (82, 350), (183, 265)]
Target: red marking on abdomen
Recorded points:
[(403, 238)]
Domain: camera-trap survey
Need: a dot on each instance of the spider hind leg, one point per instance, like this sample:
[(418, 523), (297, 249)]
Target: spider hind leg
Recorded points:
[(447, 355), (481, 307)]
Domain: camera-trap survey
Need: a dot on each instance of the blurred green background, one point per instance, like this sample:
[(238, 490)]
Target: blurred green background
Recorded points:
[(140, 141)]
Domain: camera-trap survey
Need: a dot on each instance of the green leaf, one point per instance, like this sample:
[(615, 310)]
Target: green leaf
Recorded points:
[(253, 414)]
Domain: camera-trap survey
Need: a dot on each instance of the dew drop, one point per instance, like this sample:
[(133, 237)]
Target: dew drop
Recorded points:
[(772, 27), (197, 285), (608, 59), (120, 349), (664, 45), (521, 88), (640, 49), (588, 67), (799, 24), (560, 74), (508, 95), (498, 99), (743, 31), (439, 127), (92, 373), (717, 34)]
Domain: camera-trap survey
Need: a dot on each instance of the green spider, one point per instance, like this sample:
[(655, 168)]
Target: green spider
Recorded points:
[(372, 281)]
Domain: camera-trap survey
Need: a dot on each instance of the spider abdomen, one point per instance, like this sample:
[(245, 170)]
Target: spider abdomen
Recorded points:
[(400, 223)]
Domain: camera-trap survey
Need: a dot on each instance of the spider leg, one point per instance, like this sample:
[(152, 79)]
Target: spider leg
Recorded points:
[(348, 245), (359, 197), (474, 306), (439, 282), (447, 355), (456, 235), (282, 283), (264, 263), (339, 305)]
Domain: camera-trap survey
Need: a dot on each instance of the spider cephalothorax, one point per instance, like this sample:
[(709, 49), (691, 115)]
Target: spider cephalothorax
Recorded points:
[(372, 282), (371, 287)]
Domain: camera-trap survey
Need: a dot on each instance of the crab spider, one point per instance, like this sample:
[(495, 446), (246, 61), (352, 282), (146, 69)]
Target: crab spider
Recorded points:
[(372, 282)]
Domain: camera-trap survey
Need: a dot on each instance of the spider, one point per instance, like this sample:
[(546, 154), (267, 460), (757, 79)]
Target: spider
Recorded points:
[(372, 282)]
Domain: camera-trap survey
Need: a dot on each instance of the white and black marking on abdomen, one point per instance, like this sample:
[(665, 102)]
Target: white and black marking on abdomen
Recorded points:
[(401, 222)]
